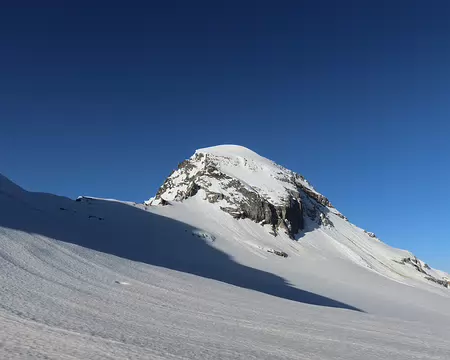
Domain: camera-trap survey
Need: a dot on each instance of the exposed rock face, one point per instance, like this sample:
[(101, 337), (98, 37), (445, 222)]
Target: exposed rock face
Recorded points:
[(444, 283), (416, 263), (277, 252), (421, 267), (371, 234), (325, 221), (342, 216), (164, 202), (243, 187)]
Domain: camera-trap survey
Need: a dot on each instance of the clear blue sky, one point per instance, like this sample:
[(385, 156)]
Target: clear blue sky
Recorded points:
[(105, 98)]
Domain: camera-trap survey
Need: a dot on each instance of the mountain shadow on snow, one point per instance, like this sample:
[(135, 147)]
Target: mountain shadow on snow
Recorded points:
[(126, 231)]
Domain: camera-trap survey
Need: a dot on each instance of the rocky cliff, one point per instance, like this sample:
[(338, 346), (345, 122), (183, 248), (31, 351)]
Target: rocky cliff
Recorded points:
[(246, 185)]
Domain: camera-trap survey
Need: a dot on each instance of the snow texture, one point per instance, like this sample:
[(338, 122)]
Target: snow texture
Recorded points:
[(188, 281)]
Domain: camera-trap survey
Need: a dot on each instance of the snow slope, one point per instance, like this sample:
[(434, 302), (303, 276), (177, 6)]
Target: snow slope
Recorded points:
[(105, 279), (212, 170)]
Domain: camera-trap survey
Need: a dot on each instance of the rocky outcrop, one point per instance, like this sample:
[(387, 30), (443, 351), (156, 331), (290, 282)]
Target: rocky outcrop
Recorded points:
[(314, 195), (342, 216), (315, 209), (444, 283), (416, 263), (164, 202), (251, 205), (325, 221), (201, 175), (191, 190), (371, 234), (422, 267), (278, 252)]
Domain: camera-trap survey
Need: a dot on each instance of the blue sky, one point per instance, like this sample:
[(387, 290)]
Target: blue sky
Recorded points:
[(105, 100)]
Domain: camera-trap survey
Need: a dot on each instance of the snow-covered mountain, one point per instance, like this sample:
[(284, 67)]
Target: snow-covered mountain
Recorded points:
[(234, 258), (246, 185)]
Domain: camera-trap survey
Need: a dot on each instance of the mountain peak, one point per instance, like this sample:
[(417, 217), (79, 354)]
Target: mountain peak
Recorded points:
[(245, 185)]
